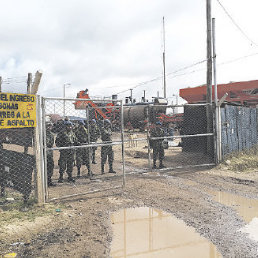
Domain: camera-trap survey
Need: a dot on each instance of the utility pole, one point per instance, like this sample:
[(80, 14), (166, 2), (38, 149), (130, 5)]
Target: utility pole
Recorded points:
[(131, 96), (209, 53), (29, 81), (209, 77), (164, 61), (1, 80), (217, 107), (144, 99)]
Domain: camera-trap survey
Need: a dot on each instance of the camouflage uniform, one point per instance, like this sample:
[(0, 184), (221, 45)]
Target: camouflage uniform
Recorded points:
[(106, 151), (158, 149), (50, 161), (94, 135), (82, 154), (66, 138)]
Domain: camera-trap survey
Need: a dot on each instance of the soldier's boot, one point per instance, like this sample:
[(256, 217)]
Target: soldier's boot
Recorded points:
[(70, 178), (102, 169), (49, 182), (161, 165), (111, 168), (61, 178), (154, 164), (90, 174), (78, 172), (93, 158)]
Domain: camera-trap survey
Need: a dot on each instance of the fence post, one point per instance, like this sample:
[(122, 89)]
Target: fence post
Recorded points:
[(123, 145), (40, 188), (148, 137)]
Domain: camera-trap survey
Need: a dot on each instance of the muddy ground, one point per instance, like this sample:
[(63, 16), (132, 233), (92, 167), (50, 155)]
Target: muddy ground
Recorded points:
[(82, 226)]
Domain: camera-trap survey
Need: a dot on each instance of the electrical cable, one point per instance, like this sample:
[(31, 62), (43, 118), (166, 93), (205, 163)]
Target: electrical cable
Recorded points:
[(160, 77), (234, 22)]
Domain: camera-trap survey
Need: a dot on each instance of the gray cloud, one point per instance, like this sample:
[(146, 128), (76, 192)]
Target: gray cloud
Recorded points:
[(100, 44)]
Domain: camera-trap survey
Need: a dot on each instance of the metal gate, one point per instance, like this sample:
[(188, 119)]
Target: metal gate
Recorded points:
[(135, 144), (70, 142), (181, 142)]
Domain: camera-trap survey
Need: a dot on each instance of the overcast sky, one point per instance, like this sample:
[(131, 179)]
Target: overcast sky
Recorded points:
[(110, 46)]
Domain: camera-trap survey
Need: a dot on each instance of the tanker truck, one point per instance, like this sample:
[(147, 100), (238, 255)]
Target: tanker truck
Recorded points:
[(135, 114)]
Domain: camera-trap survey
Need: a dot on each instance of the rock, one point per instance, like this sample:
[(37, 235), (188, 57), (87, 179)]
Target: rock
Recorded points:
[(10, 199), (228, 162)]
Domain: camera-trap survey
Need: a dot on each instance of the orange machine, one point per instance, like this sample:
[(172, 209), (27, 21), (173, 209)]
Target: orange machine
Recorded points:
[(103, 113), (245, 93)]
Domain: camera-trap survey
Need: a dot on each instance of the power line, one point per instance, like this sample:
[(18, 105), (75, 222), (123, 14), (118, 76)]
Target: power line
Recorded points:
[(234, 22), (223, 63), (238, 58), (160, 77)]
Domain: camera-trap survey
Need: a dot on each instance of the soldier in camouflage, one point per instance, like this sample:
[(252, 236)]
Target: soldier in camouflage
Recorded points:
[(158, 149), (106, 151), (94, 135), (66, 138), (50, 161), (82, 154)]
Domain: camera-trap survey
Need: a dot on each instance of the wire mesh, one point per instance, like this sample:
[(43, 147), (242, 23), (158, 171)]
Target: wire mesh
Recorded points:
[(84, 146), (17, 163), (178, 140)]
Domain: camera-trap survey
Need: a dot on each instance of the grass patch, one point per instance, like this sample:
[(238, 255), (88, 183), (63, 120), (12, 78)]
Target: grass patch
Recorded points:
[(244, 161), (16, 211)]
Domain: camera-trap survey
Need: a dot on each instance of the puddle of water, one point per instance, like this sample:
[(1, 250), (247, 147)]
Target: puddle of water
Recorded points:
[(247, 208), (147, 232)]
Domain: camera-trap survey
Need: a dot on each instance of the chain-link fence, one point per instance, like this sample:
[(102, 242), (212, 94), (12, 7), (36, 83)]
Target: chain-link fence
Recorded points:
[(17, 164), (18, 131), (179, 140), (84, 150), (136, 146), (90, 144), (159, 137)]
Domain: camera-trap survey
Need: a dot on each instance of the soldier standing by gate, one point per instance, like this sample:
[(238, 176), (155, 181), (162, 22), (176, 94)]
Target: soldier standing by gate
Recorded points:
[(66, 138), (50, 161), (94, 135), (82, 154), (106, 151), (158, 149)]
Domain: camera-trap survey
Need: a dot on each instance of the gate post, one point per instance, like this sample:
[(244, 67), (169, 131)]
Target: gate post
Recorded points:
[(123, 141), (148, 137), (38, 151)]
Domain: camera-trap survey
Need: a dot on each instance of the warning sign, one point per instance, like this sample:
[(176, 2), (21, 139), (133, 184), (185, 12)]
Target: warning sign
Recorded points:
[(17, 110)]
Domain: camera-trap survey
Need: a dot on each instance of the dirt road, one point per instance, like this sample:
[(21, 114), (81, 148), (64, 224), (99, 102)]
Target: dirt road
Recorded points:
[(214, 202)]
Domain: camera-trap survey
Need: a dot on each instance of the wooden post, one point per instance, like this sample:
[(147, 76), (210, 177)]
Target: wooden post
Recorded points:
[(35, 85), (40, 186), (29, 81)]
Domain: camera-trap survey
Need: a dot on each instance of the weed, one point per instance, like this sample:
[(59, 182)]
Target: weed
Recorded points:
[(242, 161)]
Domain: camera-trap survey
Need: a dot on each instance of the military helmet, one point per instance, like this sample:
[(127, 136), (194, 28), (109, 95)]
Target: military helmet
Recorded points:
[(81, 122), (106, 121), (49, 124), (68, 123)]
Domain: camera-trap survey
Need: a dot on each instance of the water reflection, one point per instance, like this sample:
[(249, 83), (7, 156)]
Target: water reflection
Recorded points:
[(147, 232), (247, 208)]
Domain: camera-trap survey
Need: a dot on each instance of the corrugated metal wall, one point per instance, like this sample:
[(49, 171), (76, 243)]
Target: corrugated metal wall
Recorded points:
[(238, 128)]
